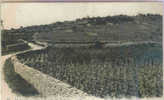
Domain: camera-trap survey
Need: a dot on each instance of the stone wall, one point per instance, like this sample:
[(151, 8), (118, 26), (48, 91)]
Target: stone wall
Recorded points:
[(45, 84)]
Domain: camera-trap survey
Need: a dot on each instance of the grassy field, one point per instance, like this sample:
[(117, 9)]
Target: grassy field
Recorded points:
[(116, 71)]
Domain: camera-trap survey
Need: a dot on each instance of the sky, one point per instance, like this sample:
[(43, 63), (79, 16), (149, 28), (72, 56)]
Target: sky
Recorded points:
[(15, 15)]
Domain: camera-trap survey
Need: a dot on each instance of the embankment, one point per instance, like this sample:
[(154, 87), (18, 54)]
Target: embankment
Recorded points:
[(45, 85), (17, 84)]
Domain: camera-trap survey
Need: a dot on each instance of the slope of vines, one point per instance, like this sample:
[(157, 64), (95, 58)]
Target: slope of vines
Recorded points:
[(117, 71)]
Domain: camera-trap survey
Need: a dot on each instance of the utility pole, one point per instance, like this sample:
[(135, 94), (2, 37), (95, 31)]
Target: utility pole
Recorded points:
[(4, 34), (2, 26)]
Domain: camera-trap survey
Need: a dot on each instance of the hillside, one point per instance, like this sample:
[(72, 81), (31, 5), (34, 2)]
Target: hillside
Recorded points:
[(117, 29), (111, 28), (120, 28)]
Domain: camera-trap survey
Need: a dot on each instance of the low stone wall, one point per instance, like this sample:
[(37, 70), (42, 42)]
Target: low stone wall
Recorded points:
[(45, 84)]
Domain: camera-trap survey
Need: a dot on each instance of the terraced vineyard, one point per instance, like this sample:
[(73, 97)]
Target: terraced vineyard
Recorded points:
[(134, 70), (15, 48)]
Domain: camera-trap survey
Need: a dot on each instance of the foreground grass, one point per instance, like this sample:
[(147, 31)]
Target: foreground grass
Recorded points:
[(16, 82)]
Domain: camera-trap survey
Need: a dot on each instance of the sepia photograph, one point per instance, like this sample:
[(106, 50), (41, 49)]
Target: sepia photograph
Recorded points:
[(81, 51)]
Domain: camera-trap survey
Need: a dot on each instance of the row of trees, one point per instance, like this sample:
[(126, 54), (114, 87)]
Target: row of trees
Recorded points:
[(117, 19)]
